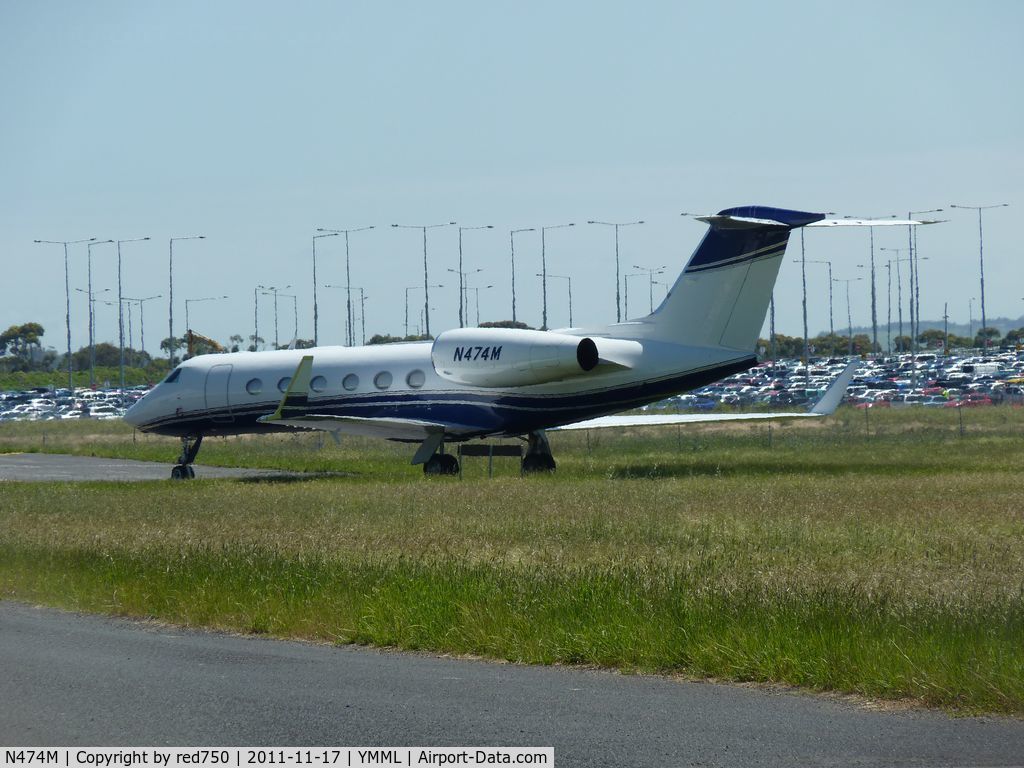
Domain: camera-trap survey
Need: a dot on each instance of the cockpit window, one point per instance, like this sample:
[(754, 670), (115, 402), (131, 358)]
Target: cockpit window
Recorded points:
[(173, 377)]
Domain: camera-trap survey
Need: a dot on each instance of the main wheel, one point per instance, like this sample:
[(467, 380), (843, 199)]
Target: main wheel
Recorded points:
[(538, 462), (190, 471), (178, 472), (432, 466), (449, 464)]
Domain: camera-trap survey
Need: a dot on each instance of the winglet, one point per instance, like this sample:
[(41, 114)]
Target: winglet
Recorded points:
[(296, 396), (833, 396)]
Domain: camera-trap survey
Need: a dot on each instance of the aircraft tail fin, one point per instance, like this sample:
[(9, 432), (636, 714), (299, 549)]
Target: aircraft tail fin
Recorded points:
[(721, 297)]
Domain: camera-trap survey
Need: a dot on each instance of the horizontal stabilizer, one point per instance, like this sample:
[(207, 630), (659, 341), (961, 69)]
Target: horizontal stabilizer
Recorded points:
[(874, 222)]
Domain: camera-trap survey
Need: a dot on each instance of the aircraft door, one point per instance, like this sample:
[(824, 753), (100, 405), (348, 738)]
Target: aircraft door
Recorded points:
[(218, 379)]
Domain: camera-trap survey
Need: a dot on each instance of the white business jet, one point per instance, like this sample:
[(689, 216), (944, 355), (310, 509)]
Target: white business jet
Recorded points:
[(500, 382)]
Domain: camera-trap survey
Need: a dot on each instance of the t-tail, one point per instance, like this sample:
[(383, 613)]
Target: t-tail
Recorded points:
[(721, 297)]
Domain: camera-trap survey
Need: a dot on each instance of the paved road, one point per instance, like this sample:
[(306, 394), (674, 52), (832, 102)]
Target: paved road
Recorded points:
[(69, 679), (51, 466)]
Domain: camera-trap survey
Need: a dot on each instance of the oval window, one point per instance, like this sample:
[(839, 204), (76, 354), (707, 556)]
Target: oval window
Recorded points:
[(350, 382), (254, 386), (415, 379), (318, 384), (283, 383), (382, 380)]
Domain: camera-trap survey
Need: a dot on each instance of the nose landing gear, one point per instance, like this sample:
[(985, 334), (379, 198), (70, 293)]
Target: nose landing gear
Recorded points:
[(189, 449)]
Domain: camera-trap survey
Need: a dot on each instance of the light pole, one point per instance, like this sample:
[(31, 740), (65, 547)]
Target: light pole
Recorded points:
[(569, 280), (426, 277), (483, 287), (67, 294), (970, 318), (625, 284), (512, 239), (899, 292), (348, 279), (544, 271), (463, 291), (142, 318), (461, 273), (874, 314), (981, 257), (92, 311), (120, 304), (362, 303), (316, 308), (193, 301), (618, 308), (849, 315), (295, 311), (915, 277), (414, 288), (91, 298), (650, 272), (831, 326), (272, 290), (170, 296)]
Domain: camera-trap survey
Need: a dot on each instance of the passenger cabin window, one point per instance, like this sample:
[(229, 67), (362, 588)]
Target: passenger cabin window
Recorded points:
[(254, 386), (282, 385), (350, 382), (318, 384), (173, 376), (382, 380), (415, 379)]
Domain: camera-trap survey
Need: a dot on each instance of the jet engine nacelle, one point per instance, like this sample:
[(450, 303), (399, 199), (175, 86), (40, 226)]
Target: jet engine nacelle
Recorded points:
[(513, 357)]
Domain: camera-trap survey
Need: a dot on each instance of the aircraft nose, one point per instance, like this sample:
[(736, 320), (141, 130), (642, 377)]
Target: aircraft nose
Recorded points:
[(140, 412)]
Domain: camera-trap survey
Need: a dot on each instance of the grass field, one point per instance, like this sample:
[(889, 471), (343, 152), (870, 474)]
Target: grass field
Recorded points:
[(884, 558)]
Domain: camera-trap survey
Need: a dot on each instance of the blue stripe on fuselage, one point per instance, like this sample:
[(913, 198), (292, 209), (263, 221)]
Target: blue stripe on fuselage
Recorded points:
[(486, 414)]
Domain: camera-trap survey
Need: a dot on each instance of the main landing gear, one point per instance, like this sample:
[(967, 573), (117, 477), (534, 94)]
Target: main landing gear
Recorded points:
[(538, 456), (441, 464), (189, 449)]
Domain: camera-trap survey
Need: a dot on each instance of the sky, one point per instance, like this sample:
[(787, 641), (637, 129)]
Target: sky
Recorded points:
[(253, 124)]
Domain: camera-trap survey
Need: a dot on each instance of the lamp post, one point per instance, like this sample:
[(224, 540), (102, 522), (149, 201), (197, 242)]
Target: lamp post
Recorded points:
[(618, 312), (91, 298), (625, 284), (981, 256), (414, 288), (512, 239), (120, 304), (316, 308), (849, 315), (915, 277), (142, 318), (461, 273), (170, 295), (899, 291), (67, 293), (92, 312), (544, 271), (193, 301), (362, 312), (569, 280), (348, 279), (463, 291), (831, 325), (970, 318), (477, 289), (650, 272), (874, 314), (295, 311), (272, 290), (426, 277)]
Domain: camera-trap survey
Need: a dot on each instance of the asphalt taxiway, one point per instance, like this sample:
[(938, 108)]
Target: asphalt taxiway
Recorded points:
[(71, 679), (39, 467)]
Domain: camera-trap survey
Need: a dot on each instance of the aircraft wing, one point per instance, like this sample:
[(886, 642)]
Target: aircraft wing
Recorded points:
[(825, 406), (293, 411)]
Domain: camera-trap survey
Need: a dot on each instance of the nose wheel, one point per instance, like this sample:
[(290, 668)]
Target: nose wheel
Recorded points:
[(183, 470)]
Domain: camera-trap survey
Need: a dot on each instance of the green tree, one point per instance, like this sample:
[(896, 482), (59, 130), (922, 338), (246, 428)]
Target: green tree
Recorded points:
[(20, 341), (987, 337)]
